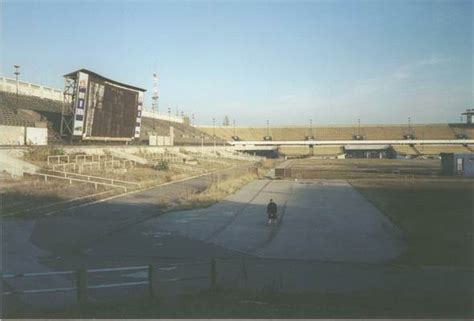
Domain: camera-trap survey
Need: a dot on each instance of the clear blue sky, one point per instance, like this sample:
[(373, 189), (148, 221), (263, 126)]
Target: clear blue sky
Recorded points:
[(332, 61)]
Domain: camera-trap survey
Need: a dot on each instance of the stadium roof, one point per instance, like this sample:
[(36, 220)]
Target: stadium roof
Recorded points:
[(74, 73)]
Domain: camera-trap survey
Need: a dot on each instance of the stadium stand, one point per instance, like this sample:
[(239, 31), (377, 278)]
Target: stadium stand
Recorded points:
[(436, 150), (184, 134), (28, 111), (327, 150), (405, 150), (317, 150), (10, 117), (369, 132), (462, 129), (30, 103)]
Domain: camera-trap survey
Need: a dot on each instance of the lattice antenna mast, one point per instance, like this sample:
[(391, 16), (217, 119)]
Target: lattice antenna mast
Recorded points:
[(154, 97)]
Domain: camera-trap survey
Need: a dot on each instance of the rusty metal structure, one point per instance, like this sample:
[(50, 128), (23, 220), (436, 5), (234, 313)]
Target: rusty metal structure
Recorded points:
[(96, 108), (67, 112)]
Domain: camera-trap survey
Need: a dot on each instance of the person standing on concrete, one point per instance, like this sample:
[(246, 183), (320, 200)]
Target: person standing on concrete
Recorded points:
[(272, 212)]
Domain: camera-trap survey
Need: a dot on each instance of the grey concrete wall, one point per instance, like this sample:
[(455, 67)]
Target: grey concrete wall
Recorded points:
[(19, 135), (12, 135), (30, 89), (36, 136)]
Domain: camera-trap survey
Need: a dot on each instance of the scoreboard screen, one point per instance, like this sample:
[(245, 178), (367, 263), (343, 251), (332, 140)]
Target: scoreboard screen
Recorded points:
[(106, 109)]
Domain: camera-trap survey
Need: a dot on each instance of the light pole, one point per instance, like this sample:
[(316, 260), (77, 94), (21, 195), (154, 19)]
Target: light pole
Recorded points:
[(311, 127), (268, 127), (358, 127), (214, 133), (202, 145), (17, 73), (169, 117)]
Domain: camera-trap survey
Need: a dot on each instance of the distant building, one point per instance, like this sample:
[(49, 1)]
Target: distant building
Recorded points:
[(369, 151), (461, 164), (469, 115)]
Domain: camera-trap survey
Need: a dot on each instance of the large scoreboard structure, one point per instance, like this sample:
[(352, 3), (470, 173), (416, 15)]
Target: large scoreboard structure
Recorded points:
[(101, 109)]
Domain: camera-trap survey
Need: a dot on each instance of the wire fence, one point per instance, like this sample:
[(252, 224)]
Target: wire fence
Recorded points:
[(176, 276), (82, 280)]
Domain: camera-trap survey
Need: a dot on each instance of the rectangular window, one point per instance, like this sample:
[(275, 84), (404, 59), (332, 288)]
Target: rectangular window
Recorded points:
[(79, 117)]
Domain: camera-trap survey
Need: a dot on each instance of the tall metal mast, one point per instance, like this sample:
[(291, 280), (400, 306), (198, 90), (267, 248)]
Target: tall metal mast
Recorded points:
[(154, 105), (154, 100)]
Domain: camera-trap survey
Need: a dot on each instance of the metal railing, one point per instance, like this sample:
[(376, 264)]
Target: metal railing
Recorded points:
[(89, 177), (98, 157), (80, 279), (79, 166), (70, 179), (58, 158)]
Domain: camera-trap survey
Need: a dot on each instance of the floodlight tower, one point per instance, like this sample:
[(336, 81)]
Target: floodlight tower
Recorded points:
[(154, 97), (17, 73), (169, 117)]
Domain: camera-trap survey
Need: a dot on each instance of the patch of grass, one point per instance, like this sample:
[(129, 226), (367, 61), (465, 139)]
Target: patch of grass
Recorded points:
[(31, 196), (41, 153), (363, 168), (436, 216), (244, 303), (162, 166), (219, 188)]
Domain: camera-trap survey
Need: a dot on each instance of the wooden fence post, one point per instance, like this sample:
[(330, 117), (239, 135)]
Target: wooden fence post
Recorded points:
[(151, 280), (244, 272), (213, 274), (81, 286)]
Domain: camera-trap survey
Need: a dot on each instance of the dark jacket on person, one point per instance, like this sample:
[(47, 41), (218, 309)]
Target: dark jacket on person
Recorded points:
[(271, 208)]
